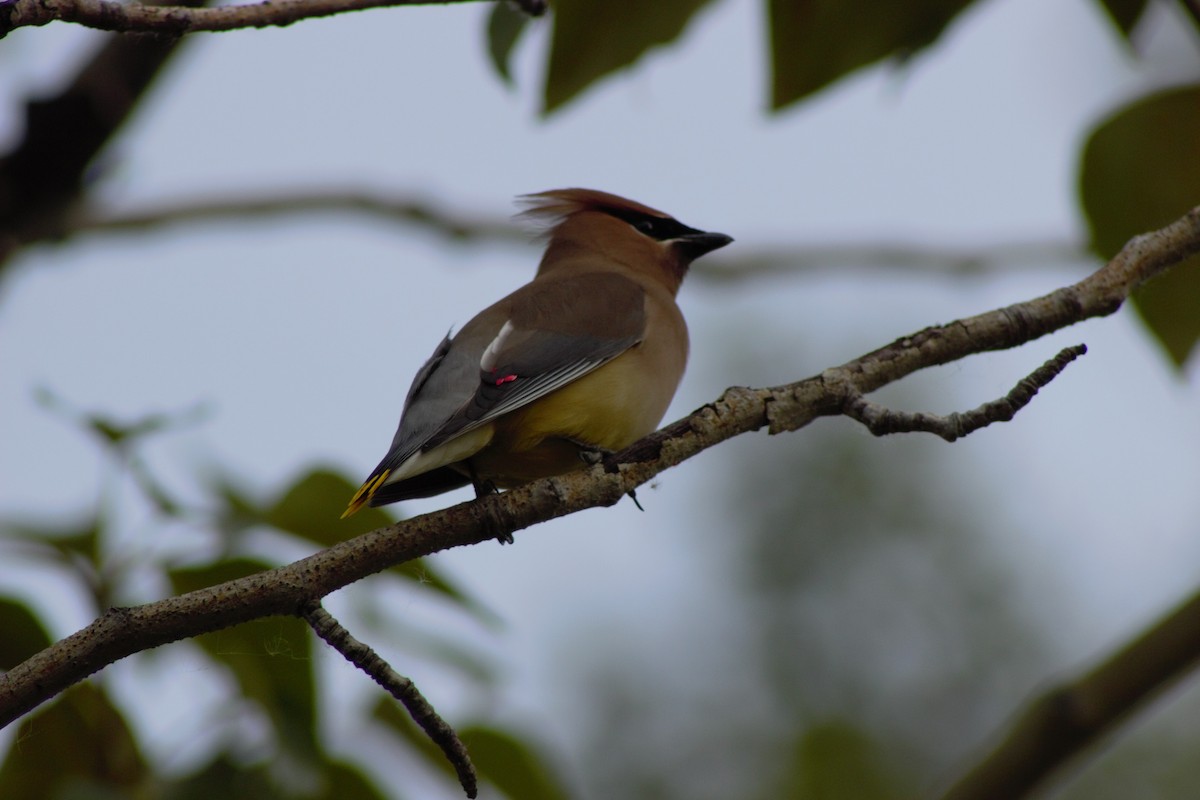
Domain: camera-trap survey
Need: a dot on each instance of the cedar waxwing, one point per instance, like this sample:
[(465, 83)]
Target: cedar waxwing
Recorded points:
[(583, 359)]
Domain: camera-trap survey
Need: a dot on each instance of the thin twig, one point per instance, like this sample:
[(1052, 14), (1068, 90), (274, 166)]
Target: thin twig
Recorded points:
[(108, 15), (882, 421), (400, 687), (1068, 718)]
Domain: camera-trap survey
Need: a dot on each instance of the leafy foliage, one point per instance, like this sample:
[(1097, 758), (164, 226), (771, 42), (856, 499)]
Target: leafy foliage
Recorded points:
[(817, 42), (104, 759), (1141, 169), (504, 29), (271, 661), (592, 40), (23, 636), (1125, 14)]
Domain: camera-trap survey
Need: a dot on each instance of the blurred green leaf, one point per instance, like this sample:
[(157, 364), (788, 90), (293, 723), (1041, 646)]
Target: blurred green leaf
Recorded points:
[(503, 759), (270, 658), (23, 634), (816, 42), (504, 29), (592, 39), (311, 508), (73, 540), (836, 761), (394, 716), (511, 765), (223, 778), (80, 746), (1124, 14), (342, 781), (1140, 171)]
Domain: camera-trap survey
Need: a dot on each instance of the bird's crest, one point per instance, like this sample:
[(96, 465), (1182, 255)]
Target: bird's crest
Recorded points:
[(545, 210)]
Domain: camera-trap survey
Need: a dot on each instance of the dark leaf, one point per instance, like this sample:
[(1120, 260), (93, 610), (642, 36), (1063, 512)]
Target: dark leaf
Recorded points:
[(511, 765), (816, 42), (342, 781), (592, 39), (222, 777), (1124, 14), (836, 761), (80, 744), (225, 777), (311, 508), (501, 758), (393, 715), (504, 29), (1141, 170), (23, 634)]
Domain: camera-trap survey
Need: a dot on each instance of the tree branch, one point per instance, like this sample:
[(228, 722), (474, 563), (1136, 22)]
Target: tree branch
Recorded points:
[(1067, 719), (108, 15), (291, 589), (399, 687), (882, 421)]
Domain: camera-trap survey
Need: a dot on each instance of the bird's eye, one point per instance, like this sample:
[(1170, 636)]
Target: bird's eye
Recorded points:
[(645, 226)]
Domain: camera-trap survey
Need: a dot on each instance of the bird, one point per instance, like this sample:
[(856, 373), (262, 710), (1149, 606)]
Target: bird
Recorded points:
[(581, 361)]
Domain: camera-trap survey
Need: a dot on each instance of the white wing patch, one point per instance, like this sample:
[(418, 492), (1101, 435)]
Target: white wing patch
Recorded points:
[(487, 362)]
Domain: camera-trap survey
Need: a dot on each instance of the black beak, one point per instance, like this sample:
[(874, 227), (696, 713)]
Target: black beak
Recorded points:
[(697, 244)]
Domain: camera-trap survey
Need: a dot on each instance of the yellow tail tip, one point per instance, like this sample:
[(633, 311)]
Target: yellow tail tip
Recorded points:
[(365, 492)]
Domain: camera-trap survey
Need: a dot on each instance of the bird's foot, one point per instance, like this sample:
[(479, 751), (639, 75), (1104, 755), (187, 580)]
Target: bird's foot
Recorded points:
[(593, 456)]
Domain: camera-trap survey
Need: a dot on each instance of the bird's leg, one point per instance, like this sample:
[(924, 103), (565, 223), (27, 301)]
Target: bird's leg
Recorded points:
[(483, 488), (593, 456)]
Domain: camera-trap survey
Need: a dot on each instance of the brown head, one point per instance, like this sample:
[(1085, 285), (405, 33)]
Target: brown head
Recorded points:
[(587, 222)]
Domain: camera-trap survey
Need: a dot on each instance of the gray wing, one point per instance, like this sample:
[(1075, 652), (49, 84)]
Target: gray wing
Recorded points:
[(540, 364), (553, 332)]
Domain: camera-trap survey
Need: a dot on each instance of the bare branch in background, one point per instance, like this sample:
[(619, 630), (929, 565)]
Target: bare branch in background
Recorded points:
[(1068, 718), (411, 210), (436, 218), (293, 589)]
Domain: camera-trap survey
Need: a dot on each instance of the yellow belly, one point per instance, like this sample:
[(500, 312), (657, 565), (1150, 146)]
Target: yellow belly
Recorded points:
[(608, 409)]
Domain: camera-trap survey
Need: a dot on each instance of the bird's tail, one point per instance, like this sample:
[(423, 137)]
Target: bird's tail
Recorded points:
[(366, 491)]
